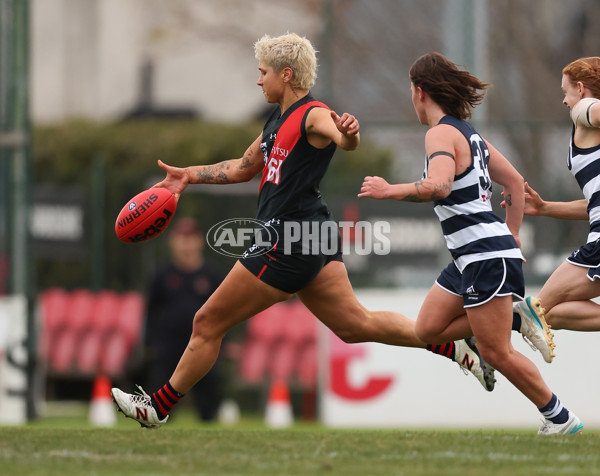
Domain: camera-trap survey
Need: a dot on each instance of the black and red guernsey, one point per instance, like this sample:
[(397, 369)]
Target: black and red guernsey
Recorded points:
[(289, 189)]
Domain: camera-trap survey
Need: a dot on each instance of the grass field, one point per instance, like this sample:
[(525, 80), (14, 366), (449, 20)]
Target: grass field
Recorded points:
[(69, 446)]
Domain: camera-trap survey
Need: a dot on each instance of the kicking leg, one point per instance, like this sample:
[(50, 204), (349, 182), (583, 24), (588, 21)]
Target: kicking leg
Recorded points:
[(240, 296)]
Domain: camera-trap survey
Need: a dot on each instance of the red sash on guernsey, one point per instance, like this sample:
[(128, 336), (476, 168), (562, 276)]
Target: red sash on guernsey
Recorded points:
[(288, 136)]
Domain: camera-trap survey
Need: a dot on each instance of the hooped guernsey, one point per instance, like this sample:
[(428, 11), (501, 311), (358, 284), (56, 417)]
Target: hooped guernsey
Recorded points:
[(584, 164), (472, 230)]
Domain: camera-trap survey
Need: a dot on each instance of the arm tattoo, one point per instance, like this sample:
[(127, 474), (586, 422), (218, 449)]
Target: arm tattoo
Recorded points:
[(508, 200), (425, 192), (227, 171), (415, 197), (442, 190), (214, 173), (246, 162)]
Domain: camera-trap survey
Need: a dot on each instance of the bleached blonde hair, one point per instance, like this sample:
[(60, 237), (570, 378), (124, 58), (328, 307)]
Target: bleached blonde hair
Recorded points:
[(289, 51)]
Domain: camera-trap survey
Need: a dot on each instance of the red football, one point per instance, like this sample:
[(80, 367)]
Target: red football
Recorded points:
[(146, 215)]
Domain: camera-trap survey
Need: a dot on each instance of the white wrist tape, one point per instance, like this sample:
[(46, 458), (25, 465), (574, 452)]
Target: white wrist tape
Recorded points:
[(581, 111)]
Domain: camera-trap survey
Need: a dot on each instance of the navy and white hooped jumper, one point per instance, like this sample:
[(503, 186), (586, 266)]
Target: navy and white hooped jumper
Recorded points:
[(472, 230), (584, 164)]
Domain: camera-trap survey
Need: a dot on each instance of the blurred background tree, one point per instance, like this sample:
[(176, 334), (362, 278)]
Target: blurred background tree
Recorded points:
[(117, 85)]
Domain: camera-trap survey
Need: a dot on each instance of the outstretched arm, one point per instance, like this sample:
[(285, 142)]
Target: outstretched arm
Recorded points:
[(228, 171), (424, 190), (536, 206), (441, 169)]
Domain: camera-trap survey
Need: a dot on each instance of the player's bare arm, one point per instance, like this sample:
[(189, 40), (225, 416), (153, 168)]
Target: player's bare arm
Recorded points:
[(536, 206), (441, 169), (230, 171), (502, 172), (436, 186), (442, 146), (324, 126), (225, 172)]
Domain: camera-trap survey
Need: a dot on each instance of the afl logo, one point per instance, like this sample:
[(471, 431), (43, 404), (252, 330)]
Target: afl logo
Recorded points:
[(132, 205), (241, 237)]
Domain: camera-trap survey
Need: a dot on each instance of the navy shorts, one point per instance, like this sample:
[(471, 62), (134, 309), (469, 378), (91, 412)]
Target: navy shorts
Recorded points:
[(588, 256), (482, 280)]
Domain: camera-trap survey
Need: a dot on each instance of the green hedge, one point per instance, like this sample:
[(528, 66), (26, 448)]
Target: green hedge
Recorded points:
[(120, 160)]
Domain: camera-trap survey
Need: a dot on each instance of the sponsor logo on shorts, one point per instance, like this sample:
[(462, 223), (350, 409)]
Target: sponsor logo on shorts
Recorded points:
[(472, 294)]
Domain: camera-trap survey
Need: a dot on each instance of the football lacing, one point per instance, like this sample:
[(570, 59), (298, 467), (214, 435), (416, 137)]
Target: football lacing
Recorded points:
[(141, 398), (529, 343), (545, 427)]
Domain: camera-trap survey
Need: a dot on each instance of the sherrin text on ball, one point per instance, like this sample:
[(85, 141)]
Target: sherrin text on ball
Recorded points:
[(146, 215)]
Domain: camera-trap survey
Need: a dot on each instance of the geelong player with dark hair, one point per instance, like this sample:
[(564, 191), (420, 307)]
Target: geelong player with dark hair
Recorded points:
[(292, 153), (475, 292)]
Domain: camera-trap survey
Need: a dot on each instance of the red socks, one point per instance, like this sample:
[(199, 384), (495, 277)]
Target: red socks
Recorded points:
[(164, 399)]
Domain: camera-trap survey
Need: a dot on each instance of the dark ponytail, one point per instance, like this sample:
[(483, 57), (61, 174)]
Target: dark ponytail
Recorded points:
[(454, 90)]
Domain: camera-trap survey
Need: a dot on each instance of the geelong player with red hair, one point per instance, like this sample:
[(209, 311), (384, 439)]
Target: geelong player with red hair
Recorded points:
[(567, 295)]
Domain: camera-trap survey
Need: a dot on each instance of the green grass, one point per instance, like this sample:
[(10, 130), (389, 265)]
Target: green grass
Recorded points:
[(69, 446)]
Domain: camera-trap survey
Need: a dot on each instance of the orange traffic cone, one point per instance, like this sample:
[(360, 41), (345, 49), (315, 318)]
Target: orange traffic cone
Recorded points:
[(102, 410), (279, 407)]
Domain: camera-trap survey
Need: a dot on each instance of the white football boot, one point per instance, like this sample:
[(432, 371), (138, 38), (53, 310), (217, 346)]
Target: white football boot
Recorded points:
[(467, 356), (534, 328), (138, 407), (570, 427)]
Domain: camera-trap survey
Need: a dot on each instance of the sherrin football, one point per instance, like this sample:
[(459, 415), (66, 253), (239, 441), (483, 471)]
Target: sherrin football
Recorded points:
[(146, 215)]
